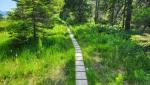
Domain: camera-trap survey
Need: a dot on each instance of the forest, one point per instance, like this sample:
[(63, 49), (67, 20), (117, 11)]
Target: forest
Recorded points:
[(40, 40)]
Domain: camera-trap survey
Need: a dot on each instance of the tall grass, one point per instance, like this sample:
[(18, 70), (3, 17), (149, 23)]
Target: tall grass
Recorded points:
[(49, 62), (111, 57)]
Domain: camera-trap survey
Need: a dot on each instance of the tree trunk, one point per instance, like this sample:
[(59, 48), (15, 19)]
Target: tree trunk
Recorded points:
[(34, 28), (124, 14), (128, 16), (34, 20), (97, 11), (117, 13), (148, 5), (112, 12)]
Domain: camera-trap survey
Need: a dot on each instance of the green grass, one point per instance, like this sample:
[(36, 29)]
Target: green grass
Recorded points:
[(4, 24), (49, 62), (112, 57)]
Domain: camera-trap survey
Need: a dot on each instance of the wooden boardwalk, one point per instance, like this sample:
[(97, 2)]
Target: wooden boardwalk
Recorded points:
[(81, 78)]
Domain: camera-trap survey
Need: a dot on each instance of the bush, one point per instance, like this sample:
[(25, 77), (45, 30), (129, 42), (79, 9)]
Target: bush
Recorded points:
[(142, 18)]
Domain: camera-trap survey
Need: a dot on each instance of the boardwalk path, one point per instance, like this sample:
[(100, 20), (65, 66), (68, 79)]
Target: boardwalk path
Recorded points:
[(81, 78)]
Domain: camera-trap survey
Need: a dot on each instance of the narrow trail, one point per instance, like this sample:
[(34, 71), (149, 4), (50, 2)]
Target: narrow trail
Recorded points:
[(81, 78)]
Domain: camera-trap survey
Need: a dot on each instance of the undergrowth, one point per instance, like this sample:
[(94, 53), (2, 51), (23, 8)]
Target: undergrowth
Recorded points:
[(111, 56)]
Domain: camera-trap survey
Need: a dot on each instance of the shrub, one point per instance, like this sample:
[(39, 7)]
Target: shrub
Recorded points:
[(142, 18)]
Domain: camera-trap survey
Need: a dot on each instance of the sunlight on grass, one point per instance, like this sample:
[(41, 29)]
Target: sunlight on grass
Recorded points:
[(53, 64), (4, 37), (143, 40)]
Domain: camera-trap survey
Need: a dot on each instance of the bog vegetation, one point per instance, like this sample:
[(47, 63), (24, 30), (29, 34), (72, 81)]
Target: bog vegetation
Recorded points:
[(35, 47)]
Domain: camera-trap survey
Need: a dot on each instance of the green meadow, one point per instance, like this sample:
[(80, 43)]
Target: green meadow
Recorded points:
[(51, 61)]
